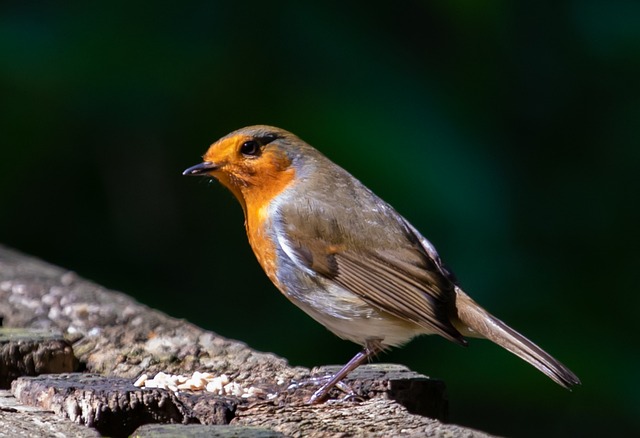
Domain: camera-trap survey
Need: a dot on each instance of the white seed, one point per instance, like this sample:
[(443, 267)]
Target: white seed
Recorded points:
[(141, 380)]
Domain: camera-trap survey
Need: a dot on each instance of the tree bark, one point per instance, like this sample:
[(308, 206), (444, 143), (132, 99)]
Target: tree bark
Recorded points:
[(115, 340)]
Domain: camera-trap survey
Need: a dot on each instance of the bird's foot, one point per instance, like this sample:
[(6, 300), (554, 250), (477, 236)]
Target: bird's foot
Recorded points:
[(327, 383), (322, 394)]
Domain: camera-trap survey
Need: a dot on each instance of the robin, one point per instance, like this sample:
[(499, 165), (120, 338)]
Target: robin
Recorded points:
[(346, 257)]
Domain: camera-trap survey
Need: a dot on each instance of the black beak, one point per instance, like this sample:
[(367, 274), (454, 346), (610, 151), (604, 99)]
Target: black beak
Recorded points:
[(200, 169)]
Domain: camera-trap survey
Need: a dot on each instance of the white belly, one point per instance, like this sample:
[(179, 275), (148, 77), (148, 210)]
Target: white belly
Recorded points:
[(351, 318)]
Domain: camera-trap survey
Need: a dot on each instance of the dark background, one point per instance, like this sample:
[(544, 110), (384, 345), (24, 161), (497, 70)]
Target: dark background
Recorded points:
[(507, 132)]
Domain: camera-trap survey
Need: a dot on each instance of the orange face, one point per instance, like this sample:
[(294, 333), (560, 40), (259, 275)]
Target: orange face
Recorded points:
[(255, 169)]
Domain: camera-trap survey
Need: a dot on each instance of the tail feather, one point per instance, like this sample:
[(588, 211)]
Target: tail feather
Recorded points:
[(477, 322)]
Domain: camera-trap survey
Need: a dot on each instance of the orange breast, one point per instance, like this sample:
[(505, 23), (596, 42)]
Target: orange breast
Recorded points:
[(258, 221)]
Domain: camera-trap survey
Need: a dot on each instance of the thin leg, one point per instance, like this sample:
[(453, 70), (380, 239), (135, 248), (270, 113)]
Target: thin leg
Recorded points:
[(321, 394)]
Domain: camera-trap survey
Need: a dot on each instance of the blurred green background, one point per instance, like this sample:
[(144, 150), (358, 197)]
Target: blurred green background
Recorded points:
[(507, 132)]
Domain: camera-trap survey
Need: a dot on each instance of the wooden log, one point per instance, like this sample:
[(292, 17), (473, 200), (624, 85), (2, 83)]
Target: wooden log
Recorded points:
[(20, 421), (113, 336), (29, 352)]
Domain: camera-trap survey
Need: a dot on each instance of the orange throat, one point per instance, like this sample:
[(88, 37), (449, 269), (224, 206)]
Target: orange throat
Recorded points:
[(257, 223), (256, 192)]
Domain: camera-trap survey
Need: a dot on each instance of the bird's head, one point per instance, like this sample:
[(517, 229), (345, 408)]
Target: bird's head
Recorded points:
[(256, 163)]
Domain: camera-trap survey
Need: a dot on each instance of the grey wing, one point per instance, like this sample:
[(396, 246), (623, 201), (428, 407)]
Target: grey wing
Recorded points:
[(404, 280)]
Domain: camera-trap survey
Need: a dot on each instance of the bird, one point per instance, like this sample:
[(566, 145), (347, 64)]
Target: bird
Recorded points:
[(346, 257)]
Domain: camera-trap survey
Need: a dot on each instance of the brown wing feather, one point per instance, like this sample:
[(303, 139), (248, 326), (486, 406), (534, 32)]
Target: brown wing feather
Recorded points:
[(395, 290), (417, 291)]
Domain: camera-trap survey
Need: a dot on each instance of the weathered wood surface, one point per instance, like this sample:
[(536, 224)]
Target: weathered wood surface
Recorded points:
[(25, 352), (377, 417), (115, 337), (417, 393), (20, 421), (198, 431), (113, 406)]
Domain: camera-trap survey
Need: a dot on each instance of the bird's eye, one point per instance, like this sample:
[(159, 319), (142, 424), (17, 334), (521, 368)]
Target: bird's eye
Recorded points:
[(250, 148)]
